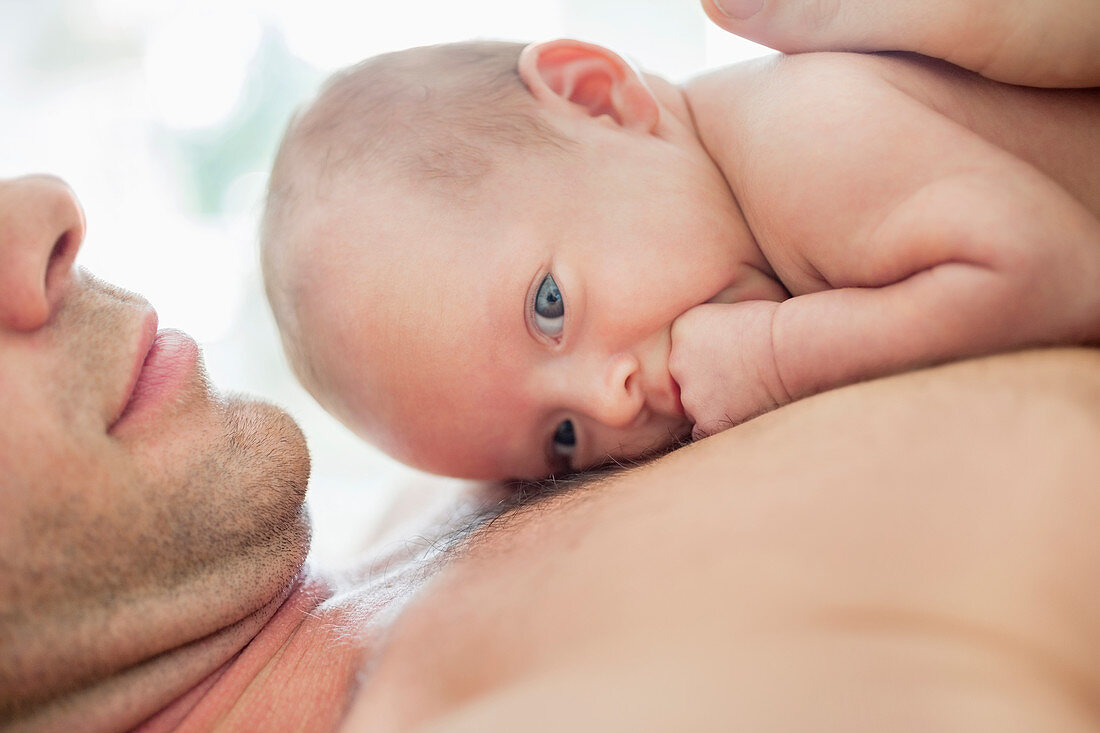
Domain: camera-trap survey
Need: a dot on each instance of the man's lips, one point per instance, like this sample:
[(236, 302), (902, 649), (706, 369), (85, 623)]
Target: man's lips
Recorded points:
[(147, 332), (163, 359)]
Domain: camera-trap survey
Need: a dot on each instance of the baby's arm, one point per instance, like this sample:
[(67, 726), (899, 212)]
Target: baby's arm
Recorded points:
[(738, 360), (735, 361), (981, 253)]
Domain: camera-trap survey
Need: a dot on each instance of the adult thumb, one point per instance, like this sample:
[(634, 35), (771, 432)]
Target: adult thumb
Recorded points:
[(1038, 42)]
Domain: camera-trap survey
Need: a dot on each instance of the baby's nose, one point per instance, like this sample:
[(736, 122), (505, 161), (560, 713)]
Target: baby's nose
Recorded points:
[(617, 395)]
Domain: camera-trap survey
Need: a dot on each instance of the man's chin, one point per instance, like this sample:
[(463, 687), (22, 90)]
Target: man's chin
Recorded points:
[(269, 474), (268, 449)]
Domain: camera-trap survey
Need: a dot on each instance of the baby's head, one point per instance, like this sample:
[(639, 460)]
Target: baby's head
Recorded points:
[(475, 253)]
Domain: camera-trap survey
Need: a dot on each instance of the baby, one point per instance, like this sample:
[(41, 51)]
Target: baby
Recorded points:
[(497, 261)]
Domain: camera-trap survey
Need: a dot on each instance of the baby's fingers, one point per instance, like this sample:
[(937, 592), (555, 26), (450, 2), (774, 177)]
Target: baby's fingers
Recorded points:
[(1051, 43)]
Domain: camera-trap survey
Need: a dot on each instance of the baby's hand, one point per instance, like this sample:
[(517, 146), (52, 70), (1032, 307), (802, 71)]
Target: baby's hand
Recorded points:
[(722, 358)]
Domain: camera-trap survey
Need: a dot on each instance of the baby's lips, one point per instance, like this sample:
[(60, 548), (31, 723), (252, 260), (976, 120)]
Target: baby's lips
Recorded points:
[(675, 371), (677, 350), (675, 363), (678, 400)]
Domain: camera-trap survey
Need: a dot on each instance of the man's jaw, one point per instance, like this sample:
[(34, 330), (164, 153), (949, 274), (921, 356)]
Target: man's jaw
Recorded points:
[(143, 692)]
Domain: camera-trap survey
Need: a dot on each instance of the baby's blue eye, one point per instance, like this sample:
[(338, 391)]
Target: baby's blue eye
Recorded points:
[(565, 440), (549, 308)]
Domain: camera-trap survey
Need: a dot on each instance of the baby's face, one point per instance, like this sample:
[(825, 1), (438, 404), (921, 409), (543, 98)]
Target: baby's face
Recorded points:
[(527, 333)]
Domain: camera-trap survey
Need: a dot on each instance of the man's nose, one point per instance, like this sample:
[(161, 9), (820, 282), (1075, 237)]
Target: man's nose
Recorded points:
[(41, 229), (616, 395)]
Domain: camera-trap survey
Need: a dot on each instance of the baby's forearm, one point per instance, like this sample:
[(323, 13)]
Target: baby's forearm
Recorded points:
[(950, 311), (733, 362), (736, 361)]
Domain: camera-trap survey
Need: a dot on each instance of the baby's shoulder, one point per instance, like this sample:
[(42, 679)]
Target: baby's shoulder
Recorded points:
[(795, 97), (819, 149), (861, 122), (801, 139), (822, 149), (778, 79), (812, 111)]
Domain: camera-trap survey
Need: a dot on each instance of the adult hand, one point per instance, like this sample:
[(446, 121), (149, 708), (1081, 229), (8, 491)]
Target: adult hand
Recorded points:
[(1046, 43)]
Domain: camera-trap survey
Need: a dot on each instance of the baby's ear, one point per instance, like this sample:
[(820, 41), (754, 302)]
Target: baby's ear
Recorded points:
[(577, 76)]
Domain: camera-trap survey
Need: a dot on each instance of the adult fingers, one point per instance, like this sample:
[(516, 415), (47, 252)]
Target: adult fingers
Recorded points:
[(1050, 43)]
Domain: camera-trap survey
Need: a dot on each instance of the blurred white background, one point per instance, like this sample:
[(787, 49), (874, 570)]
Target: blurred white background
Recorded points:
[(164, 117)]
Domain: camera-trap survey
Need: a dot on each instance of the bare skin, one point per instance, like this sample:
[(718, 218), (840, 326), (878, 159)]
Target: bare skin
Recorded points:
[(922, 566), (750, 567), (769, 231), (959, 599), (710, 588), (951, 216), (113, 604), (1031, 42)]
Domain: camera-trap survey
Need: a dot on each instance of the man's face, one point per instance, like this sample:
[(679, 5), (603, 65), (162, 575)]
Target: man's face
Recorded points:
[(128, 485), (525, 332)]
